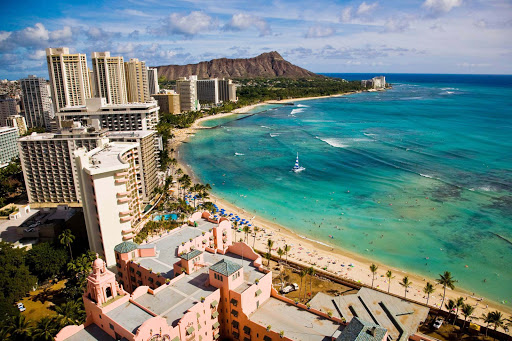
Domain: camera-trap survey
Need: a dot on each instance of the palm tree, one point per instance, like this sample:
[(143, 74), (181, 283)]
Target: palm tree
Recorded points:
[(268, 256), (246, 229), (270, 243), (66, 238), (19, 328), (458, 304), (373, 269), (467, 310), (428, 289), (311, 273), (302, 274), (450, 306), (280, 252), (488, 319), (69, 312), (498, 320), (390, 276), (406, 284), (45, 329), (287, 249), (256, 229), (446, 280)]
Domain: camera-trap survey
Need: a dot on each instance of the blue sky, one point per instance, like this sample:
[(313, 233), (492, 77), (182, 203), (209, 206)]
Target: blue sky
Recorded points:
[(424, 36)]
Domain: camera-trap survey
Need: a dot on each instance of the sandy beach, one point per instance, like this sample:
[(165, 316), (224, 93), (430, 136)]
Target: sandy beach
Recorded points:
[(323, 256)]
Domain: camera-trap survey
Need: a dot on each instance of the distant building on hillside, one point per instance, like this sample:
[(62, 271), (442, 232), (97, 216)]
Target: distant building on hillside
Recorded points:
[(168, 101)]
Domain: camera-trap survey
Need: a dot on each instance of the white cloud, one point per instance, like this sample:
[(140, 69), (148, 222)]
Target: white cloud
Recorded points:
[(471, 65), (243, 21), (441, 6), (136, 13), (62, 35), (38, 55), (365, 8), (320, 32), (187, 25), (33, 35), (346, 14)]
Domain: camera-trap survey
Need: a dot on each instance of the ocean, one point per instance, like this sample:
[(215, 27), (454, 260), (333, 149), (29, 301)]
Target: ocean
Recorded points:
[(418, 177)]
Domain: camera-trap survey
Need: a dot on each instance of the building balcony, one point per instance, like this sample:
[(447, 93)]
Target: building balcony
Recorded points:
[(125, 219), (125, 212), (121, 173), (121, 181), (127, 231), (123, 200), (128, 236)]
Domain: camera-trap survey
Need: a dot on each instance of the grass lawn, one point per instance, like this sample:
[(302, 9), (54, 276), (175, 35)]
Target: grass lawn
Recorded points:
[(39, 302)]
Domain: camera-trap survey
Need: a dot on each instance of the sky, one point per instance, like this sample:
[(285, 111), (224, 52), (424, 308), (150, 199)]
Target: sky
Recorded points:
[(398, 36)]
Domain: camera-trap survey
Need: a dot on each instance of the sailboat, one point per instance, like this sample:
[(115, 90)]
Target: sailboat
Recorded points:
[(297, 168)]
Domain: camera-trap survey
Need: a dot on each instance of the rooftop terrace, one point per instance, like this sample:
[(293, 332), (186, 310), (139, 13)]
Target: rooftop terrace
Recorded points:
[(90, 333), (297, 324), (129, 316), (387, 311), (173, 301)]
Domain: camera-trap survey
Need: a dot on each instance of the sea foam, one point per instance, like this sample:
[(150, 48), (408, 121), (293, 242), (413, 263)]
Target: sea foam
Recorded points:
[(296, 111)]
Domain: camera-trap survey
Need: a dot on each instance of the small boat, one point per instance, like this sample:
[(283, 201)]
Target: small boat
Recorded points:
[(297, 168)]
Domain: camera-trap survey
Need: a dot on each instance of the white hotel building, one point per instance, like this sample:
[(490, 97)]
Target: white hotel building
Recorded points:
[(110, 195)]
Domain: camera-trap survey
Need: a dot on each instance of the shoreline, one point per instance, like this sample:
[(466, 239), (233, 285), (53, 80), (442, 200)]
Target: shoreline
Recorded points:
[(307, 251)]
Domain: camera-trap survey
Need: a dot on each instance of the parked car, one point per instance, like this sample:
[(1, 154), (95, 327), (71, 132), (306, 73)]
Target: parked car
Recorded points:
[(289, 288), (21, 307), (438, 323), (29, 230)]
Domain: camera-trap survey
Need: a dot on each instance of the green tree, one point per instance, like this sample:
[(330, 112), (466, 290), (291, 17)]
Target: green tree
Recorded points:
[(45, 261), (467, 311), (302, 274), (406, 284), (287, 249), (268, 256), (46, 329), (280, 252), (311, 273), (488, 319), (459, 302), (15, 278), (67, 238), (70, 312), (390, 276), (246, 230), (446, 280), (498, 320), (78, 270), (428, 289), (451, 306), (18, 328), (270, 243), (256, 230), (373, 269)]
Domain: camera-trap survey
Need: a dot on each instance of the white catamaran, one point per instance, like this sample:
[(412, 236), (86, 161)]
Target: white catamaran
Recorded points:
[(297, 168)]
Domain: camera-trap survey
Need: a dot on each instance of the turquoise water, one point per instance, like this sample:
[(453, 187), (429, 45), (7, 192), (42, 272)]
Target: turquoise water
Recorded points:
[(417, 177)]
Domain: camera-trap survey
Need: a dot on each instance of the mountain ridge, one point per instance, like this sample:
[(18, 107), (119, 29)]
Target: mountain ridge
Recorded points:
[(268, 64)]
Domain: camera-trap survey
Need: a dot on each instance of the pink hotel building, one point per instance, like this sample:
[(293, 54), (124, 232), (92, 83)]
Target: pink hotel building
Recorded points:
[(195, 284)]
